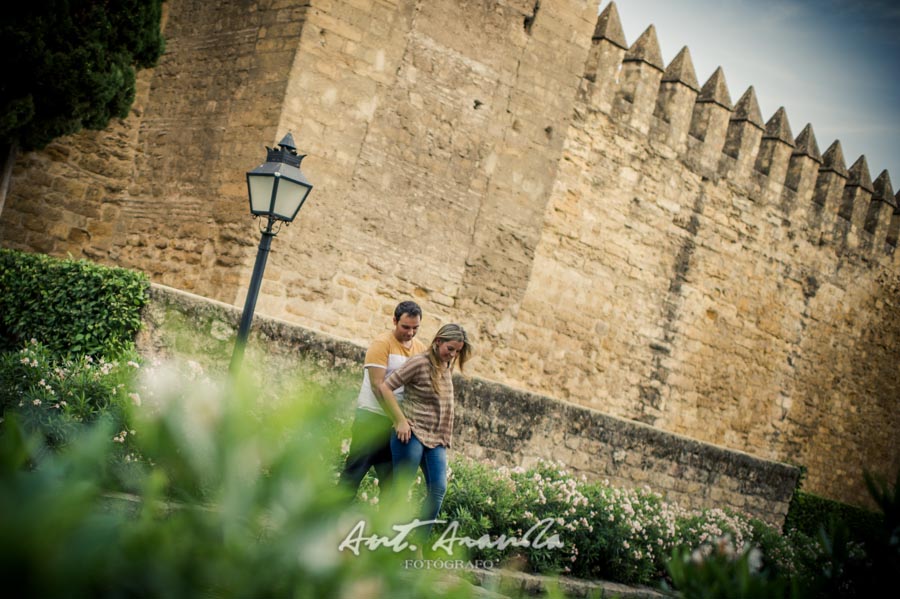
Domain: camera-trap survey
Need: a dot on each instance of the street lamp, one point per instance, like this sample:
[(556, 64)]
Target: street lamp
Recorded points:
[(277, 190)]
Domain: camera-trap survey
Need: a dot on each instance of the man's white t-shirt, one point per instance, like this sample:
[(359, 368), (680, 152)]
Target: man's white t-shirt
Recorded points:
[(387, 353)]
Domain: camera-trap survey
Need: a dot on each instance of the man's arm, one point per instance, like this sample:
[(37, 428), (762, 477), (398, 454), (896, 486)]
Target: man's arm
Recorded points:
[(388, 402), (376, 363), (376, 377)]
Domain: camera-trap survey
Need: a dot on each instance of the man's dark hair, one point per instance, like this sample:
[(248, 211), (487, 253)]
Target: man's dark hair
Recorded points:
[(409, 308)]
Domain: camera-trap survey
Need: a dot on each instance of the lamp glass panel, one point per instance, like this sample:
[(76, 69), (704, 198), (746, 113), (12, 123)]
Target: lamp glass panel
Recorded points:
[(290, 196), (260, 193)]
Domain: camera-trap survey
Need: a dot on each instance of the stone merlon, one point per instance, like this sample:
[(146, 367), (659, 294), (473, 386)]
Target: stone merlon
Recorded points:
[(646, 49), (715, 90), (681, 70), (609, 27), (859, 176), (883, 190), (833, 160), (779, 128), (747, 109), (805, 144)]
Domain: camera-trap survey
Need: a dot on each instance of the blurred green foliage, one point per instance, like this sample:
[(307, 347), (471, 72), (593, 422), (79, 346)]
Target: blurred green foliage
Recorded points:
[(235, 498), (720, 571)]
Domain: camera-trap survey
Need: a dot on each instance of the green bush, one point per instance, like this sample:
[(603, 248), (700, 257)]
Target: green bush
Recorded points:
[(74, 308), (850, 552), (629, 534), (808, 513)]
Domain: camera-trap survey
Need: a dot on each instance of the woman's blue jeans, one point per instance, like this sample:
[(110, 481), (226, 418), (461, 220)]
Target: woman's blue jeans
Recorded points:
[(407, 458)]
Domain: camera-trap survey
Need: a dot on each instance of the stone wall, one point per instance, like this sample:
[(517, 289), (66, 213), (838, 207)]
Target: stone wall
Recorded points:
[(495, 422), (613, 233)]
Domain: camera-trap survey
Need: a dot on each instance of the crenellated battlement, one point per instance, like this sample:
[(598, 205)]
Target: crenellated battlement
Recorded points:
[(763, 159)]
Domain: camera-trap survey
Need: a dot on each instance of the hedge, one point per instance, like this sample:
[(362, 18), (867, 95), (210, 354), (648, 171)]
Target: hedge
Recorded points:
[(808, 513), (74, 308)]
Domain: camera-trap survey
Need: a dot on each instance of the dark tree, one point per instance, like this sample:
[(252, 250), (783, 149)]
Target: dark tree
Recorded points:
[(70, 64)]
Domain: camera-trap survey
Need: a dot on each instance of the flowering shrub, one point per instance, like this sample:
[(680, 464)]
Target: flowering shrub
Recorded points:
[(56, 396), (707, 526), (625, 535), (640, 533)]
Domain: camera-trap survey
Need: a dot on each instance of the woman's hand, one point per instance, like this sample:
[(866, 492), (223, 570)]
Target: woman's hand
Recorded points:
[(404, 431)]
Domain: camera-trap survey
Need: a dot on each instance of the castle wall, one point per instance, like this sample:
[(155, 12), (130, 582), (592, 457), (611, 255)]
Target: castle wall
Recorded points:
[(712, 299), (611, 233)]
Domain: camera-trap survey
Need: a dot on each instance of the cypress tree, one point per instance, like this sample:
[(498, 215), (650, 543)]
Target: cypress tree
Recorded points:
[(70, 64)]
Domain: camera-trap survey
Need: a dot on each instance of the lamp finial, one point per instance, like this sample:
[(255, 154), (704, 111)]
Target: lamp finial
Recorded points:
[(288, 144)]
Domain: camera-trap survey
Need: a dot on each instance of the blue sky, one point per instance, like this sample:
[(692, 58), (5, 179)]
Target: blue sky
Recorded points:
[(830, 63)]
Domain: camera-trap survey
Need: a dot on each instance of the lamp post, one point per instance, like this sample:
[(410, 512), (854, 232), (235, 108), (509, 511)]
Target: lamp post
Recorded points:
[(277, 190)]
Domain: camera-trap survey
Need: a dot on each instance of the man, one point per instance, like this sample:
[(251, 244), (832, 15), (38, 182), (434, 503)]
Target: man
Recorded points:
[(370, 444)]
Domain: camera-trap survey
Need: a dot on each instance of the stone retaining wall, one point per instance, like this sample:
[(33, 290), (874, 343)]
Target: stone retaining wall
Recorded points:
[(509, 426)]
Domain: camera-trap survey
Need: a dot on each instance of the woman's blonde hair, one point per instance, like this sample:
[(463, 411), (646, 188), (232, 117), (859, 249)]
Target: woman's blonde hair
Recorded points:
[(448, 332)]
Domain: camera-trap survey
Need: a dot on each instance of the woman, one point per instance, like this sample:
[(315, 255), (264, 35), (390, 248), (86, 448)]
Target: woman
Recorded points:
[(423, 426)]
